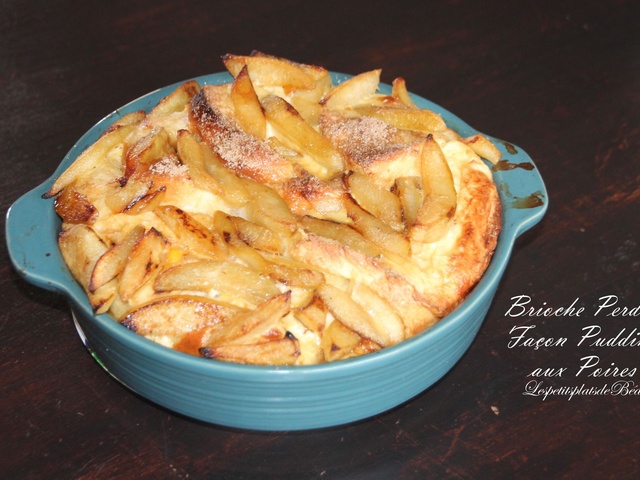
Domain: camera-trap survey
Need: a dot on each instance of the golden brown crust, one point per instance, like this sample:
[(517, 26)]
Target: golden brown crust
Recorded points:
[(371, 145), (307, 195), (242, 153)]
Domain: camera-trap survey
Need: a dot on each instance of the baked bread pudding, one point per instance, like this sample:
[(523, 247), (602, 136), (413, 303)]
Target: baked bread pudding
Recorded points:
[(279, 219)]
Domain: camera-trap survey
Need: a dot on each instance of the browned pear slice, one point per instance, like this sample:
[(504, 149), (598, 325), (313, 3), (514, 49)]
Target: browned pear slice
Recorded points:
[(313, 316), (113, 261), (176, 101), (417, 120), (176, 315), (270, 71), (81, 248), (148, 149), (268, 209), (74, 207), (440, 198), (378, 201), (484, 147), (338, 341), (400, 92), (320, 157), (142, 262), (191, 233), (352, 314), (255, 326), (377, 231), (95, 158), (247, 109), (284, 351), (341, 233), (191, 154), (353, 91), (409, 191), (228, 281)]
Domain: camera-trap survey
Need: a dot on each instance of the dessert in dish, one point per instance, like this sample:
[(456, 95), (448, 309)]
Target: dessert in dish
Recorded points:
[(279, 219)]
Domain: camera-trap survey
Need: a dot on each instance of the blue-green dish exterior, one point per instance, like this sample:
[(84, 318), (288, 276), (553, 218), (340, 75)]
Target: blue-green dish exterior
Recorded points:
[(269, 398)]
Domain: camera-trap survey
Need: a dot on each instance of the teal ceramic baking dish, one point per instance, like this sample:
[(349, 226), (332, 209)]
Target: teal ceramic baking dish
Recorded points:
[(272, 398)]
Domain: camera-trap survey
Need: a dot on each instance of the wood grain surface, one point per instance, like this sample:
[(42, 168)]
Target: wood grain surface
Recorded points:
[(560, 79)]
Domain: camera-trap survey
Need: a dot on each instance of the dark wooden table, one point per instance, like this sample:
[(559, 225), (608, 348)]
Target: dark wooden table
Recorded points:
[(559, 79)]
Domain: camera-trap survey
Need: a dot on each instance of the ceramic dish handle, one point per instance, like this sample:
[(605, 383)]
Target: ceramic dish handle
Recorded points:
[(522, 191), (31, 233)]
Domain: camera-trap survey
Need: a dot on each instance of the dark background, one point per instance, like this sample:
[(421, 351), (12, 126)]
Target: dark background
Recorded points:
[(559, 79)]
